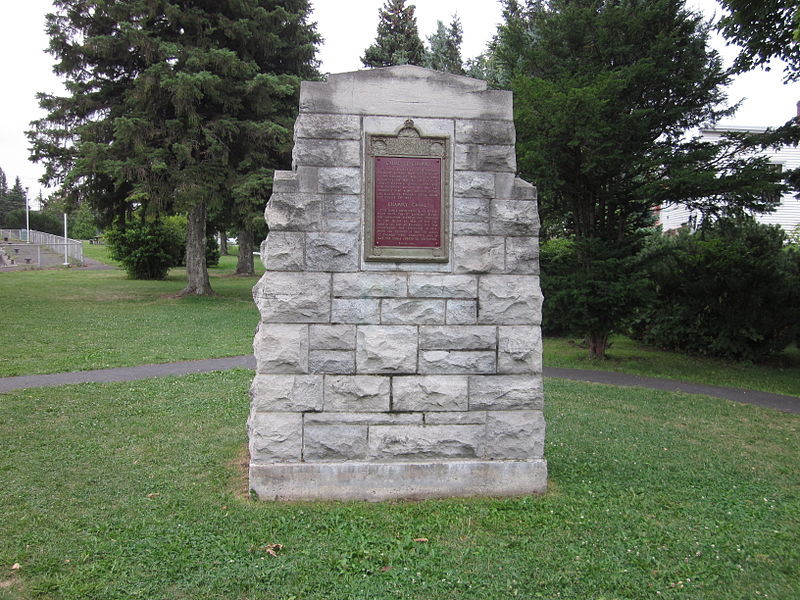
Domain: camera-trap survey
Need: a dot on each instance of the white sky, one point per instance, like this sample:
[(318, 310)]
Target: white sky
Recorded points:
[(347, 27)]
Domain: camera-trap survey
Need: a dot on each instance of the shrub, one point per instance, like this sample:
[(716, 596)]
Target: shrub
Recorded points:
[(731, 290), (591, 287), (39, 221), (145, 249)]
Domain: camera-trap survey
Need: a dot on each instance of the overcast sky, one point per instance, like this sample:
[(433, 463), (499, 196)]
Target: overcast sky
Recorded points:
[(347, 28)]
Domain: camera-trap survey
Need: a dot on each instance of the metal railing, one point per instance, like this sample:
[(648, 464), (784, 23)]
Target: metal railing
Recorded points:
[(57, 243)]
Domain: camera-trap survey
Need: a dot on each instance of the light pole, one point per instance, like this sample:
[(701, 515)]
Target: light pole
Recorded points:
[(27, 219), (66, 261)]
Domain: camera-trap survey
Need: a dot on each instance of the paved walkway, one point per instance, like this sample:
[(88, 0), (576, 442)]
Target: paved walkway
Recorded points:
[(790, 404)]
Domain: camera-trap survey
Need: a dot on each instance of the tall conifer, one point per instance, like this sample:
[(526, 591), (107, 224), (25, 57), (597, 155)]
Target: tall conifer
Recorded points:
[(398, 41)]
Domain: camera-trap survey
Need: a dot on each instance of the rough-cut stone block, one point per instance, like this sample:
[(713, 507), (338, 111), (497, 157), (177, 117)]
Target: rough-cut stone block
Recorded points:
[(355, 310), (284, 393), (429, 393), (478, 254), (515, 434), (465, 157), (519, 350), (467, 228), (474, 184), (331, 252), (509, 300), (363, 418), (349, 393), (402, 91), (514, 217), (334, 442), (416, 442), (404, 311), (522, 255), (479, 337), (461, 312), (351, 226), (307, 179), (275, 437), (281, 349), (523, 190), (293, 297), (376, 482), (457, 361), (386, 349), (293, 212), (341, 206), (285, 182), (472, 209), (332, 127), (504, 185), (432, 285), (475, 131), (283, 251), (496, 158), (505, 392), (337, 180), (472, 417), (332, 337), (326, 153), (370, 285), (332, 361)]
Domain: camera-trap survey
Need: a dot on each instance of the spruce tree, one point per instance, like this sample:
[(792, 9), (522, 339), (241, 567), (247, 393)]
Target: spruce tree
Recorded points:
[(445, 48), (174, 107), (605, 92), (398, 41)]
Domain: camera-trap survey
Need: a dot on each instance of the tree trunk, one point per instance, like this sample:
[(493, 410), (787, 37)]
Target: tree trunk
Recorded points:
[(196, 269), (598, 344), (244, 266), (223, 244)]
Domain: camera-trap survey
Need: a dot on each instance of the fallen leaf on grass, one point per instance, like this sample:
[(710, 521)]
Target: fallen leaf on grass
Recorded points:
[(420, 539), (15, 567), (385, 568), (272, 549), (153, 495)]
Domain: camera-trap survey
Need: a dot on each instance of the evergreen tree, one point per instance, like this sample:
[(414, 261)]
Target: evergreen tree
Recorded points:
[(445, 48), (174, 107), (605, 91), (398, 41), (15, 198)]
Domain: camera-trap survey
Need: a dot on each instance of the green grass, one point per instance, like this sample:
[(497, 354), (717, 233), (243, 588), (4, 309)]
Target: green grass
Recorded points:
[(780, 375), (67, 320), (134, 490)]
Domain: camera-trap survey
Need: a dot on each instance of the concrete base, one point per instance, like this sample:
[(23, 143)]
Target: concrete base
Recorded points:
[(387, 481)]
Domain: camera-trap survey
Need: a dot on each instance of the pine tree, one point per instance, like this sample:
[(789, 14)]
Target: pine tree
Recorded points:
[(174, 107), (398, 41), (445, 48), (605, 91)]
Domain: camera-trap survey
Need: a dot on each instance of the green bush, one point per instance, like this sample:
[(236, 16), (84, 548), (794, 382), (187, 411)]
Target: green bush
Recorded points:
[(212, 251), (590, 286), (731, 291), (145, 249), (39, 221)]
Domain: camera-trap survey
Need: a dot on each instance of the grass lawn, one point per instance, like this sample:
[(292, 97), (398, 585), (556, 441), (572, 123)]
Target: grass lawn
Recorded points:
[(780, 374), (135, 490), (71, 320)]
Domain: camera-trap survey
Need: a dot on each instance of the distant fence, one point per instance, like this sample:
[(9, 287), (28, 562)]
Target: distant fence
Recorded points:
[(56, 243)]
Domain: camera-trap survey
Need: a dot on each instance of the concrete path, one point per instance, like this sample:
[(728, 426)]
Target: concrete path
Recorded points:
[(790, 404)]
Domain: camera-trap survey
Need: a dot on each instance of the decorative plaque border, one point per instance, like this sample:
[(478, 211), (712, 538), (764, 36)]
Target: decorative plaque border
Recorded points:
[(408, 142)]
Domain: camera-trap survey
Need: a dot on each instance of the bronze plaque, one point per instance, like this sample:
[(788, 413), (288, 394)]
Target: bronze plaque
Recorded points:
[(407, 209), (408, 198)]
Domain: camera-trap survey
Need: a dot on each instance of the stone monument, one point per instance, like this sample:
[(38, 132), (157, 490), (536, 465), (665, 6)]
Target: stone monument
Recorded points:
[(399, 348)]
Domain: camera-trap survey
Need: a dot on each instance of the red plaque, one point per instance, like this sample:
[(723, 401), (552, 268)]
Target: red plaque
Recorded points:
[(408, 201)]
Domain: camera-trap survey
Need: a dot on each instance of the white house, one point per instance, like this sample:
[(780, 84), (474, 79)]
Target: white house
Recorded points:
[(787, 215)]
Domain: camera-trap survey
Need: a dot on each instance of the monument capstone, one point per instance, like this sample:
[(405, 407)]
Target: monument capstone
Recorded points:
[(399, 347)]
